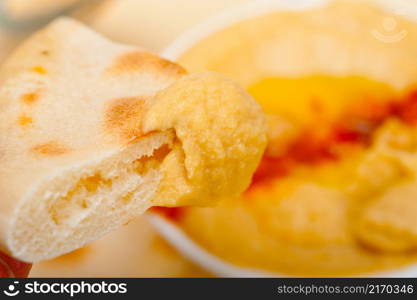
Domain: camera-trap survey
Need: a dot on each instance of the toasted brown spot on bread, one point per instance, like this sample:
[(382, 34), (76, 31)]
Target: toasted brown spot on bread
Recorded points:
[(24, 120), (45, 52), (51, 148), (124, 117), (144, 61), (30, 98), (39, 70)]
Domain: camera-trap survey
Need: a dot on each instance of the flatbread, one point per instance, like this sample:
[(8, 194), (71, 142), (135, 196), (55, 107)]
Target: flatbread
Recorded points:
[(93, 133), (152, 24)]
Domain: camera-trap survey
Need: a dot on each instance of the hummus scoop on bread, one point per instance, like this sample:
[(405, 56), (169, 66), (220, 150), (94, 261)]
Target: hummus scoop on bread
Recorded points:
[(335, 193), (93, 133)]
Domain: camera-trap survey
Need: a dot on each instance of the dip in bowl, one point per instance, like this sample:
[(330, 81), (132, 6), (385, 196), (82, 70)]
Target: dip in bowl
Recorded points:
[(335, 194)]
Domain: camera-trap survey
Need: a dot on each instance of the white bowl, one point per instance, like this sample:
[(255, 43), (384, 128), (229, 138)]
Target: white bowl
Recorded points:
[(172, 232)]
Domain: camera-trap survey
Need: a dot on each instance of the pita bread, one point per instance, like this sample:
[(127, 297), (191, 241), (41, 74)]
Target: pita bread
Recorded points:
[(93, 133)]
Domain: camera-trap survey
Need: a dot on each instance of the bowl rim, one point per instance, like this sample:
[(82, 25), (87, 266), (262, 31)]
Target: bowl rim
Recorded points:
[(191, 250), (171, 231)]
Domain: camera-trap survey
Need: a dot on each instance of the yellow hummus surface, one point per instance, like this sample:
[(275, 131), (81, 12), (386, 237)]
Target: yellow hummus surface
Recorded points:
[(339, 217)]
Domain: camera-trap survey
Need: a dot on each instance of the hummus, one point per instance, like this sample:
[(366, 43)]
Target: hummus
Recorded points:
[(335, 192)]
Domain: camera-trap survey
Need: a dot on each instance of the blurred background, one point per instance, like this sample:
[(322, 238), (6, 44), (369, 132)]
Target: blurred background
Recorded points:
[(137, 249)]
